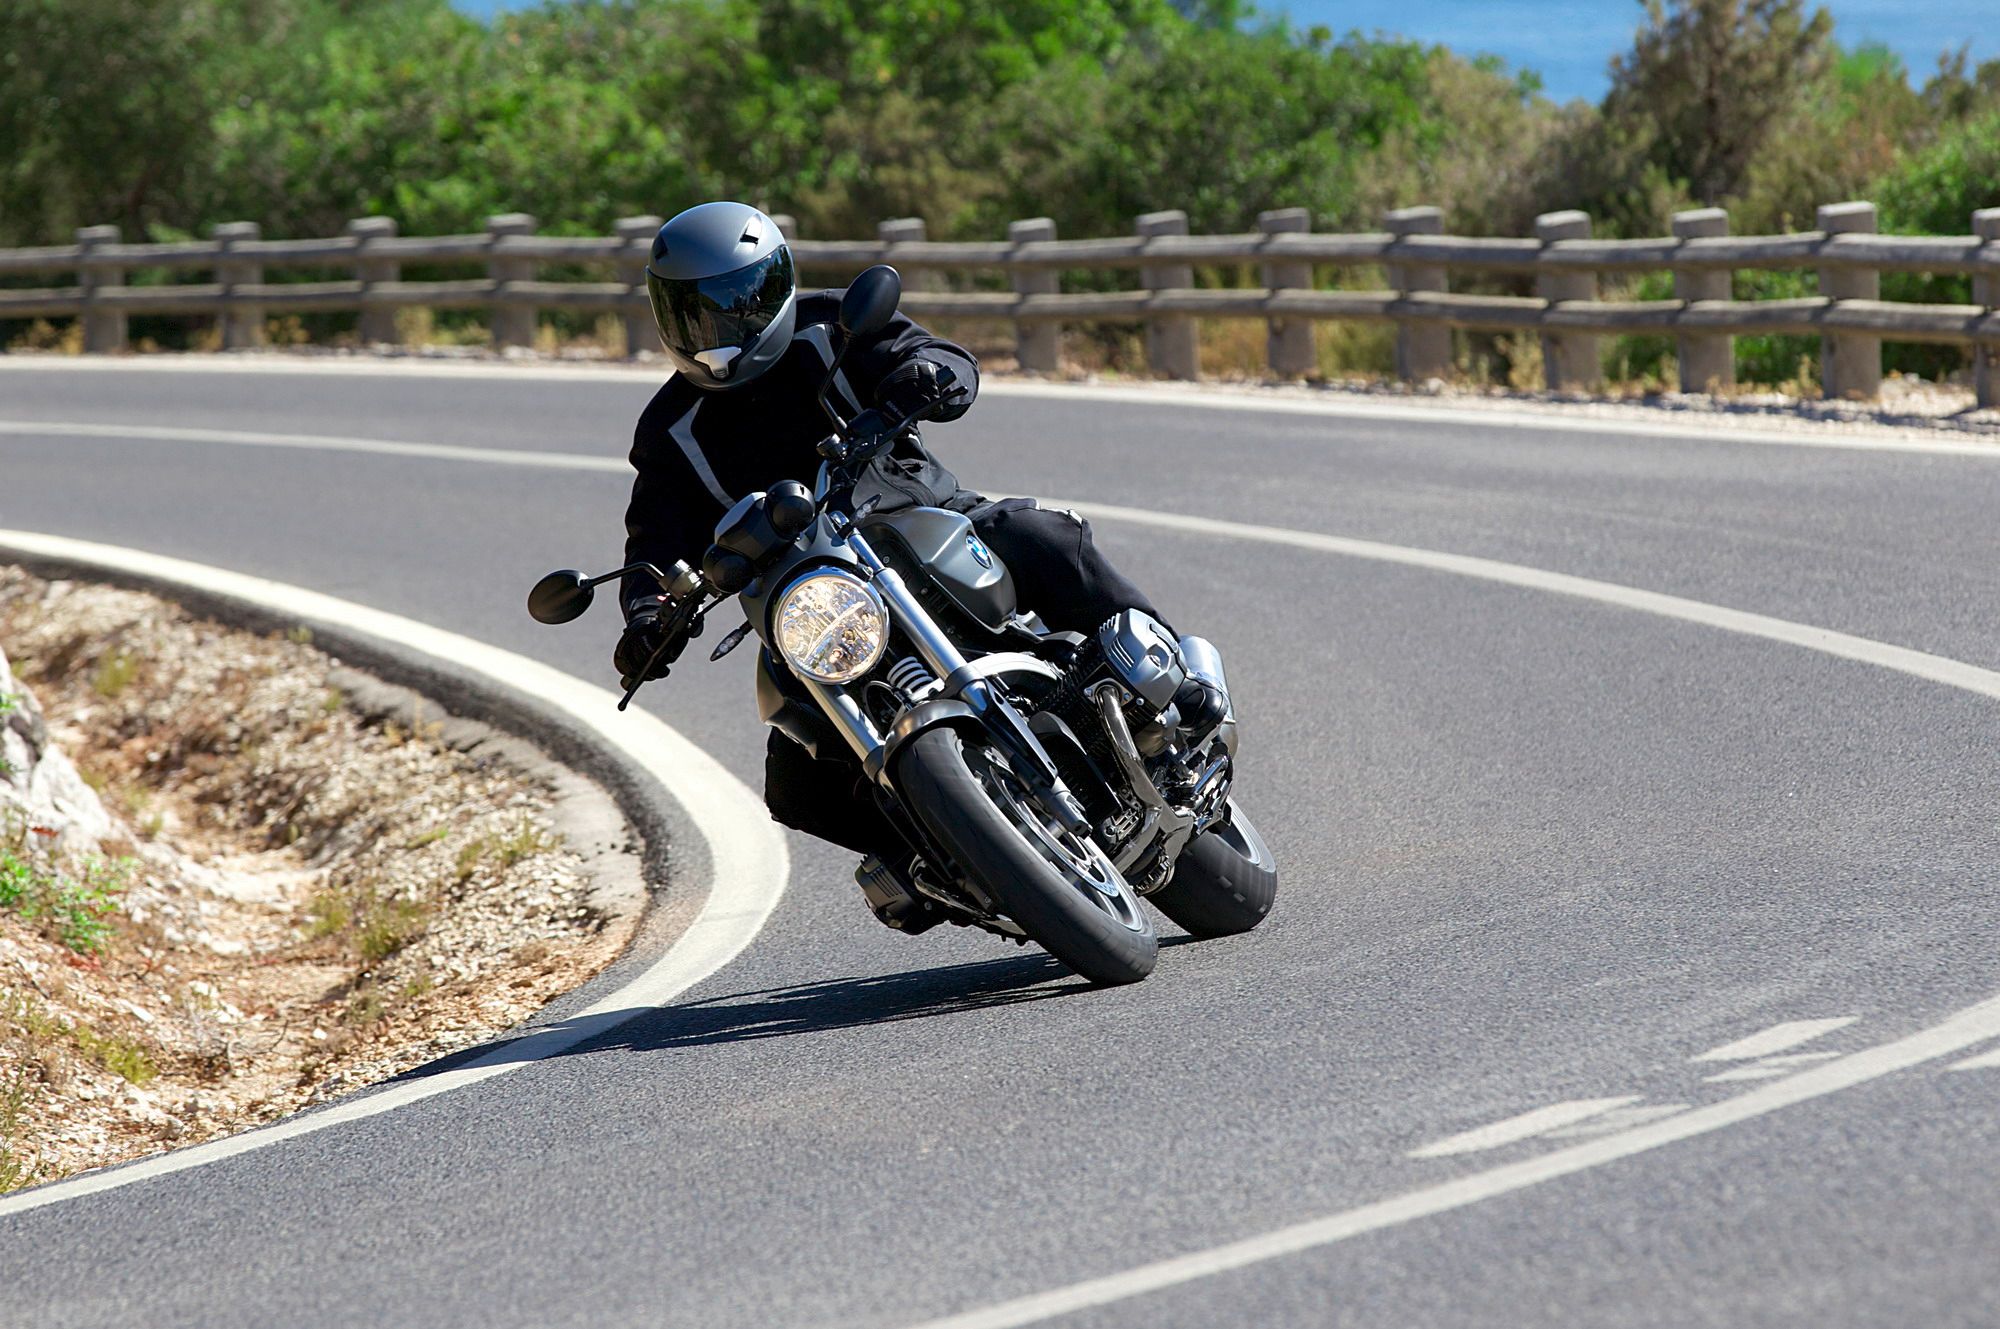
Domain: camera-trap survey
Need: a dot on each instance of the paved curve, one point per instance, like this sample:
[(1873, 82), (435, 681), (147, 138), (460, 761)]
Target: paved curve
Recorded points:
[(1538, 851)]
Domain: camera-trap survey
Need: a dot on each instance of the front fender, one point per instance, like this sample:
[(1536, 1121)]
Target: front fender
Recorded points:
[(922, 716), (1000, 724)]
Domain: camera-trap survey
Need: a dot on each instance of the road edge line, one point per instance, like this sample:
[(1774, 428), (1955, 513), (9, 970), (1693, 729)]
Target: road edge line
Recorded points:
[(575, 722), (1712, 428)]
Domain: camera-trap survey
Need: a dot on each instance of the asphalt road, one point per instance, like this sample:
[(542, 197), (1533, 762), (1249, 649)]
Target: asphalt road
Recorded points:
[(1537, 851)]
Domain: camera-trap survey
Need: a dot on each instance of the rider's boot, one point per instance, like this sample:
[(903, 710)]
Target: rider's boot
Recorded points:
[(886, 885)]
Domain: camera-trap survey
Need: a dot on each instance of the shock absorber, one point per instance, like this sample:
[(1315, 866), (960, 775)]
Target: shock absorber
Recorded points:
[(909, 676)]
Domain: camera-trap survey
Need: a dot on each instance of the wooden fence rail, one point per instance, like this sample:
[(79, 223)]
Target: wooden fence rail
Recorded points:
[(1562, 258)]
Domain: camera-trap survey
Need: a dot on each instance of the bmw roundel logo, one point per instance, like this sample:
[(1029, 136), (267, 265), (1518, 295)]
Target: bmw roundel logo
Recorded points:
[(979, 549)]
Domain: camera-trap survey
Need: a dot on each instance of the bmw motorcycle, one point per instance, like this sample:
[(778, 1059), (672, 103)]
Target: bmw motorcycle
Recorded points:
[(1048, 781)]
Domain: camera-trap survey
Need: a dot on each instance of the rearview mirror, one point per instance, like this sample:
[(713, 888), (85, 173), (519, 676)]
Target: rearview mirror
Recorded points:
[(560, 597), (870, 301)]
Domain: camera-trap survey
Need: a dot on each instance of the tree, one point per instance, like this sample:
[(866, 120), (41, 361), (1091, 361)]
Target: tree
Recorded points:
[(1707, 80)]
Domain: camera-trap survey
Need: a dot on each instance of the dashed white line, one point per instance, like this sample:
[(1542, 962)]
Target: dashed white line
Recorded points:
[(1523, 1127), (1776, 1039), (1618, 1119), (1985, 1061), (1974, 1025), (1769, 1068), (1966, 1028)]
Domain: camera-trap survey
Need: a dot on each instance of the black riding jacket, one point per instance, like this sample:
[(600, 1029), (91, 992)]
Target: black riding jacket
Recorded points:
[(697, 451)]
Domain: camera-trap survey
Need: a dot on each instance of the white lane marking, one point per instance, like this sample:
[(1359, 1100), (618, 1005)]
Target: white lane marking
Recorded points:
[(1697, 428), (1901, 659), (1974, 1024), (1618, 1119), (1985, 1061), (1776, 1039), (749, 863), (564, 461), (1770, 1068), (1525, 1126)]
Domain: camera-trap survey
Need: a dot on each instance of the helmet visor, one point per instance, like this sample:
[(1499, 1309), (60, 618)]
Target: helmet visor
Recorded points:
[(730, 310)]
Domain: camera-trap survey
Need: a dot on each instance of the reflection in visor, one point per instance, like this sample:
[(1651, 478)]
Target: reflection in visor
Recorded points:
[(711, 313)]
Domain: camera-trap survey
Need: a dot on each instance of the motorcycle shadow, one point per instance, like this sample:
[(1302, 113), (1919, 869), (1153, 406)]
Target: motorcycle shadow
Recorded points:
[(807, 1008), (847, 1003)]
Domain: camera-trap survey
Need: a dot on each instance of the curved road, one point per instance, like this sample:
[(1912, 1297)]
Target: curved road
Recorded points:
[(1544, 855)]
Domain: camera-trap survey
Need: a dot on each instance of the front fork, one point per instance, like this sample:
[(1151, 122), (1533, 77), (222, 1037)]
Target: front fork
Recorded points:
[(967, 698)]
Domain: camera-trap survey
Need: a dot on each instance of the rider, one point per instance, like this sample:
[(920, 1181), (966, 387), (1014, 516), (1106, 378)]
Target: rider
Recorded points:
[(750, 352)]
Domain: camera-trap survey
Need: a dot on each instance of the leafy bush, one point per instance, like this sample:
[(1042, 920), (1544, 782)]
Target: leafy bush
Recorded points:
[(76, 910)]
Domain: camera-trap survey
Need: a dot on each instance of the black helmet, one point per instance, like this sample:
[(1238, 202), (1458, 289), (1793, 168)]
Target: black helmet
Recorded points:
[(721, 284)]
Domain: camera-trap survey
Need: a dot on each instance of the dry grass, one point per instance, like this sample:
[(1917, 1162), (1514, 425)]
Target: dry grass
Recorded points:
[(301, 897)]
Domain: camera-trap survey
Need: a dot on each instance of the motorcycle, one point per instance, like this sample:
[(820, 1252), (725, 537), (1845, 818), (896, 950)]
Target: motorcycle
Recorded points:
[(1048, 781)]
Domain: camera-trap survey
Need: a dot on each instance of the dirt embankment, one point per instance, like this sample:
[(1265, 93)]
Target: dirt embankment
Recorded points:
[(236, 878)]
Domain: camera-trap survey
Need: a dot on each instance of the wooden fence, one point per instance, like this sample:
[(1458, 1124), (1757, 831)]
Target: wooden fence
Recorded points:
[(1566, 264)]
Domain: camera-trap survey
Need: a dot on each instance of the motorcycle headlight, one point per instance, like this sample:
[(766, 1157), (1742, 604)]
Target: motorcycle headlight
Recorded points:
[(831, 627)]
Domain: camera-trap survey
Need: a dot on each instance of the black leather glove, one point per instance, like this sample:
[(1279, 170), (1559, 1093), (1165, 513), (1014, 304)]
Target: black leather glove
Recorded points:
[(868, 436), (644, 633), (909, 391)]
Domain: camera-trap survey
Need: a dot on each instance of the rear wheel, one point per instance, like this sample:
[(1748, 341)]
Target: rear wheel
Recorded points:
[(1225, 882), (1056, 884)]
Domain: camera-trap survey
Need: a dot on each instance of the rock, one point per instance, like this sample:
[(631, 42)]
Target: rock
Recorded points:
[(38, 783)]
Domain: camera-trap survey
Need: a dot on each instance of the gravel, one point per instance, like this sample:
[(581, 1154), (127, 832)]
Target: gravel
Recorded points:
[(322, 881)]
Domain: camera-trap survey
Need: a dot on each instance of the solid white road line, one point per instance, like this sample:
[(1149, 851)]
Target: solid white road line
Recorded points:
[(1776, 1039), (1697, 428), (1901, 659), (748, 860), (561, 461), (1920, 664), (1974, 1024), (1525, 1126)]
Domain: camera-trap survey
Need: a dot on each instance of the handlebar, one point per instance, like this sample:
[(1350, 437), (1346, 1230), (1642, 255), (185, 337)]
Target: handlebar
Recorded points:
[(847, 446)]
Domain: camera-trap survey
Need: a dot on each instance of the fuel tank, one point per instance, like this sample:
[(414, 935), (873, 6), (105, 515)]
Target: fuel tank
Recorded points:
[(943, 545)]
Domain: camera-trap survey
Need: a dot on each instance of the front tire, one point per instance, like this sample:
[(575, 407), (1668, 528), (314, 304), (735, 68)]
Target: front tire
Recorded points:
[(1224, 883), (1059, 887)]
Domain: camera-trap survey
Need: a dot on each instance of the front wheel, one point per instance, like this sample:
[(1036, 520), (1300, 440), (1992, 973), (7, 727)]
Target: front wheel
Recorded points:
[(1225, 881), (1057, 885)]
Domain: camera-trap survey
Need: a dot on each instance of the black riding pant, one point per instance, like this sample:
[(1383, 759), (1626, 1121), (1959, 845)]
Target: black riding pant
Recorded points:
[(1058, 573)]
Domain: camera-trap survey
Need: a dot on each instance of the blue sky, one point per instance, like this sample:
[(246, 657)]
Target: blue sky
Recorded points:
[(1570, 42)]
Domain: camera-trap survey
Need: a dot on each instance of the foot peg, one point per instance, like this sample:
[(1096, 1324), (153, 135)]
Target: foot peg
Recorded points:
[(894, 901)]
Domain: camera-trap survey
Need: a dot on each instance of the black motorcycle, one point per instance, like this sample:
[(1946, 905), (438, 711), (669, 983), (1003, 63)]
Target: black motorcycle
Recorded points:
[(1047, 780)]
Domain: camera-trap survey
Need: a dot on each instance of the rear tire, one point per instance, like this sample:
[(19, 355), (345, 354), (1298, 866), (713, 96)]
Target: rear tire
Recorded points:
[(1090, 922), (1225, 882)]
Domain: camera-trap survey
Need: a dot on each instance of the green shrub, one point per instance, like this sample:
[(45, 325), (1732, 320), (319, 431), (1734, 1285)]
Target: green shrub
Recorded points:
[(78, 911)]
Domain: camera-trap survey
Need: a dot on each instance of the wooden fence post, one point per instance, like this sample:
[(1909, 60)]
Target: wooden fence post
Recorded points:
[(1173, 341), (641, 334), (241, 327), (787, 224), (1850, 364), (896, 231), (1708, 360), (1569, 359), (1986, 291), (513, 325), (103, 329), (1288, 342), (1423, 350), (377, 326), (1037, 344)]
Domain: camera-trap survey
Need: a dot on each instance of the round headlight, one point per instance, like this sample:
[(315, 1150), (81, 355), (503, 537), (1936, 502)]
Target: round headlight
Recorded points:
[(831, 627)]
